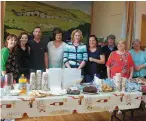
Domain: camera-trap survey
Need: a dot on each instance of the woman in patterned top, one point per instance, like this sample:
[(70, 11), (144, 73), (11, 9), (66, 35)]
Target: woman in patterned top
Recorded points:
[(75, 54), (120, 61), (8, 57)]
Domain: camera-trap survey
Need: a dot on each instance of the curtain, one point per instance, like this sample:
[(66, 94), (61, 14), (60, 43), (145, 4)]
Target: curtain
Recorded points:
[(130, 15)]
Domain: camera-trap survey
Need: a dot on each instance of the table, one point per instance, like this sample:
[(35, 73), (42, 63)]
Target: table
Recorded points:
[(19, 106)]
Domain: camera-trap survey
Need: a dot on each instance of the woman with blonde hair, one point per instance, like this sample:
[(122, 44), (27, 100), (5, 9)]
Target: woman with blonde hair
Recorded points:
[(75, 54), (139, 58), (120, 61)]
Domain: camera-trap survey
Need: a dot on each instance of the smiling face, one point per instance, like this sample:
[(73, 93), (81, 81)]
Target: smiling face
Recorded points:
[(92, 42), (111, 42), (11, 42), (58, 37), (121, 45), (77, 37), (24, 39), (136, 45)]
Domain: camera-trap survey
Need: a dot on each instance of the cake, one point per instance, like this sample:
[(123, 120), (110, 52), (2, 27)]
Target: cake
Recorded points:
[(90, 89), (73, 91)]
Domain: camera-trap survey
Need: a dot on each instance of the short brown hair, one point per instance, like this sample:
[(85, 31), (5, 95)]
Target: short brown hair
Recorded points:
[(111, 36), (73, 33), (55, 32)]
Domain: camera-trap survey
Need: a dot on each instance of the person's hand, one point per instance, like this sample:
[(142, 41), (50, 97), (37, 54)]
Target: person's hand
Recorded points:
[(91, 59), (130, 77), (138, 68), (109, 77), (143, 82), (79, 67)]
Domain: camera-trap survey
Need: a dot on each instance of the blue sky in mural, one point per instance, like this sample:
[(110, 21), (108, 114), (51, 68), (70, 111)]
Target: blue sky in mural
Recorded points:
[(84, 6)]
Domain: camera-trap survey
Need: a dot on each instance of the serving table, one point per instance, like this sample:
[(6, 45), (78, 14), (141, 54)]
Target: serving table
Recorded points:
[(13, 107)]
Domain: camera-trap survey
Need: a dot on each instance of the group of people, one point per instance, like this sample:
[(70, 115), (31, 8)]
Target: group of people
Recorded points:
[(21, 55)]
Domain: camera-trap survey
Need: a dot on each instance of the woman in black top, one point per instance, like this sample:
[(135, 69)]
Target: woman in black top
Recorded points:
[(95, 58), (23, 54)]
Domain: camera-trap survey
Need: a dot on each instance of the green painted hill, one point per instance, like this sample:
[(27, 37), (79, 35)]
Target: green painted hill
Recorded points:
[(25, 15)]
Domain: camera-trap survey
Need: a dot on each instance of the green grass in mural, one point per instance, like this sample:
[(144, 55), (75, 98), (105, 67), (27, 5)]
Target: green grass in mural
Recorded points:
[(14, 31), (67, 18)]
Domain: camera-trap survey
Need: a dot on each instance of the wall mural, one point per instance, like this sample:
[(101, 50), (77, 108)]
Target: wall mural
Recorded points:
[(25, 15)]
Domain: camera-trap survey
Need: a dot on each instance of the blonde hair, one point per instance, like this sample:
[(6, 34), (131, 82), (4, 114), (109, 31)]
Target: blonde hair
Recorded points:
[(123, 42), (73, 33)]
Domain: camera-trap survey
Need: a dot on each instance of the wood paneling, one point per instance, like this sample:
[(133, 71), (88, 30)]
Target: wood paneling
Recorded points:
[(143, 30), (2, 22)]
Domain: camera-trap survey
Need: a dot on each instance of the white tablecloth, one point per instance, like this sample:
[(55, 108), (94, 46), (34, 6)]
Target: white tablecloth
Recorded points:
[(17, 106)]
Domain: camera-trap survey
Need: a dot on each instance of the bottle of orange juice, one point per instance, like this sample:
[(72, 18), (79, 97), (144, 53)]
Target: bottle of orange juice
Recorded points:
[(22, 84)]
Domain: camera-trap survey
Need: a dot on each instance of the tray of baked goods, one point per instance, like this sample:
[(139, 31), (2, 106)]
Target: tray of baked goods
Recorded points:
[(38, 93), (90, 90)]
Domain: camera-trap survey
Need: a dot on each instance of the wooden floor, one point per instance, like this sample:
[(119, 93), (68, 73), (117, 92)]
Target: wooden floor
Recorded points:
[(101, 116)]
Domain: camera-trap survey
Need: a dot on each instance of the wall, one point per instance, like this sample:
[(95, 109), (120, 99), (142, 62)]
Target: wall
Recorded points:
[(107, 18), (140, 9)]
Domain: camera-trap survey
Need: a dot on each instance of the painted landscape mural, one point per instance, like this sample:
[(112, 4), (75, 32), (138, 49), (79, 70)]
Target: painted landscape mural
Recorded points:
[(23, 16)]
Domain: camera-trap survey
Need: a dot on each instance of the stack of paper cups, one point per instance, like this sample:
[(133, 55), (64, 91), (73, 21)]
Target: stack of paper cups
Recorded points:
[(38, 79), (118, 81), (124, 84), (32, 81), (45, 81)]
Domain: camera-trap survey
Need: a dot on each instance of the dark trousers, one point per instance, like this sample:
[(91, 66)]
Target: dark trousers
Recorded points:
[(90, 78)]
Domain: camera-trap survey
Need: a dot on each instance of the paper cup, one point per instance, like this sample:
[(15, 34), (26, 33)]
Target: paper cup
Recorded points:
[(124, 84), (2, 92), (118, 74), (7, 90), (16, 86)]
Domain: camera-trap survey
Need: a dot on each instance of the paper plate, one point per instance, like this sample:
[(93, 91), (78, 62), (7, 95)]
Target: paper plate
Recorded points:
[(14, 92)]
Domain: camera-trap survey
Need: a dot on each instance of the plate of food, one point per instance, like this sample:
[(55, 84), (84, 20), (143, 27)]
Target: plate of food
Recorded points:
[(14, 92), (57, 92), (38, 93)]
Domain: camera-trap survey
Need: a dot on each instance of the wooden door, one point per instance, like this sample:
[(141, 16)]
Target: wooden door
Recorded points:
[(143, 31)]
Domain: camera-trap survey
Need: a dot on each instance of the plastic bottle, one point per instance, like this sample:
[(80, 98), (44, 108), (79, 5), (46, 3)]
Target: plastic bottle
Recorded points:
[(22, 84)]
